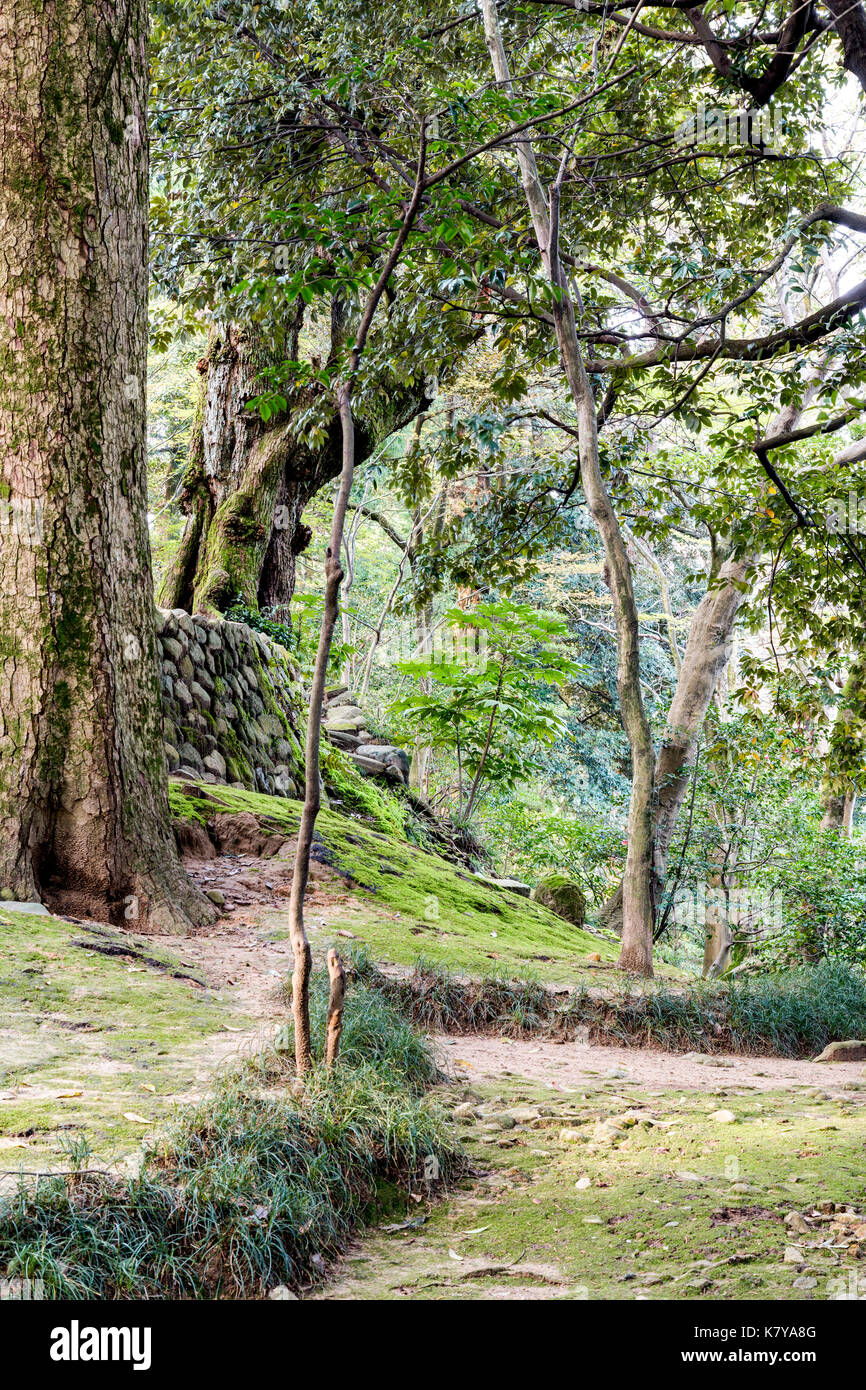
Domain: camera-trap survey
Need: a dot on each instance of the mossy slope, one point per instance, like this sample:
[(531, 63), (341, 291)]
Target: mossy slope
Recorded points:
[(403, 901)]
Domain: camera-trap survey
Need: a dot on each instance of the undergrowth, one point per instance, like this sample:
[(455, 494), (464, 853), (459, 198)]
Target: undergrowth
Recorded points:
[(251, 1188), (790, 1014)]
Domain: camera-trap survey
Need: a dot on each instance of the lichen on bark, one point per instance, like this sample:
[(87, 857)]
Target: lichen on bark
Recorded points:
[(84, 820)]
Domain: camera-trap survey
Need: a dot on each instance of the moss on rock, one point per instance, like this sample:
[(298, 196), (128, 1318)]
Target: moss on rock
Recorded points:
[(562, 896)]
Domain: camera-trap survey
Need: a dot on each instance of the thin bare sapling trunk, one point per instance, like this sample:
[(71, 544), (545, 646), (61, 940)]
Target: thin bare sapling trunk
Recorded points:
[(333, 577)]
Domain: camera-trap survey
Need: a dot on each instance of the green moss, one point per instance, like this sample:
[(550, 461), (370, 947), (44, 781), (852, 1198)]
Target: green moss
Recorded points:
[(690, 1210), (98, 1024), (563, 896), (359, 793), (404, 901)]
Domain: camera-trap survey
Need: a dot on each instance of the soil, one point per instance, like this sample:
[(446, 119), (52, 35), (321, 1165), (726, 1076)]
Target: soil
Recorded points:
[(573, 1064)]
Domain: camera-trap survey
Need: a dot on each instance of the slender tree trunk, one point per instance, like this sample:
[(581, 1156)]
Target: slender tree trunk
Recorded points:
[(336, 1001), (637, 934), (84, 819), (333, 578), (707, 653)]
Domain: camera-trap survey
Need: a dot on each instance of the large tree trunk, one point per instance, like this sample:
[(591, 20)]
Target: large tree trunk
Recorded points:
[(247, 482), (84, 820)]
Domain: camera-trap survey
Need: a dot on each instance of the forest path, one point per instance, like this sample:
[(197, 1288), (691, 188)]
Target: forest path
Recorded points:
[(574, 1064), (596, 1172), (609, 1173)]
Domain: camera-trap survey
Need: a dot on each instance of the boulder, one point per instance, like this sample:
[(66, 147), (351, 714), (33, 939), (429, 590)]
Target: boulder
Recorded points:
[(345, 726), (345, 713), (562, 896), (215, 763), (386, 755), (854, 1050)]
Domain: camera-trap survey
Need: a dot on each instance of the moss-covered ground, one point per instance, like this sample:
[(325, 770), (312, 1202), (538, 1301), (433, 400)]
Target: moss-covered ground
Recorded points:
[(684, 1208), (96, 1026), (606, 1189), (406, 902)]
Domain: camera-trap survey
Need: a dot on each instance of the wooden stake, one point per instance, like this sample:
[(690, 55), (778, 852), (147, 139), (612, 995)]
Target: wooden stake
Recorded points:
[(335, 1007)]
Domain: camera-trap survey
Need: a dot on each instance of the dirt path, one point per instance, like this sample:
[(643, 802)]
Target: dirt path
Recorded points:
[(574, 1064)]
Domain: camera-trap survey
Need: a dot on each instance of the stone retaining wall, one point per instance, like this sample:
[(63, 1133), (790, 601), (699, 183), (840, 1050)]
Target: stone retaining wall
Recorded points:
[(231, 700)]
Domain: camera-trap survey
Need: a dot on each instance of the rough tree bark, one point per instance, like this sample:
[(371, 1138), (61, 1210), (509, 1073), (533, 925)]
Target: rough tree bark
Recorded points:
[(637, 934), (84, 819), (247, 482)]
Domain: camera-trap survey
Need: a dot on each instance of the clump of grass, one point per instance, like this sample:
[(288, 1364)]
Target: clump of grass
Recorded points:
[(376, 1031), (800, 1011), (252, 1188), (790, 1014), (435, 998)]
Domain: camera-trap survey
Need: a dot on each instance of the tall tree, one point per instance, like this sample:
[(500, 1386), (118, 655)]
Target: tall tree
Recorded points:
[(84, 818)]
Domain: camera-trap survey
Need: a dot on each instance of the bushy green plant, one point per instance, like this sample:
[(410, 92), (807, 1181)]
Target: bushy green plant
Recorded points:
[(491, 709)]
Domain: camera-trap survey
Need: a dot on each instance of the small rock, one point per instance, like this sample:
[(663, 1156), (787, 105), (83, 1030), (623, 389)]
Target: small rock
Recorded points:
[(853, 1050), (215, 763), (805, 1282), (216, 896), (281, 1291), (793, 1256), (571, 1136), (723, 1117), (795, 1222), (605, 1131), (583, 1183)]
